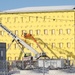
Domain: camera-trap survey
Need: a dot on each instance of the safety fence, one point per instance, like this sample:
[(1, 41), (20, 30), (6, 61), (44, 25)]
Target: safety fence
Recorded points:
[(39, 66), (27, 66), (7, 68)]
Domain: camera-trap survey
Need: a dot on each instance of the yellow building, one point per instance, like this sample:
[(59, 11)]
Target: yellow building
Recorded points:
[(53, 27)]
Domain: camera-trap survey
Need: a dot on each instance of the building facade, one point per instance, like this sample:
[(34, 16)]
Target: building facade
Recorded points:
[(52, 27)]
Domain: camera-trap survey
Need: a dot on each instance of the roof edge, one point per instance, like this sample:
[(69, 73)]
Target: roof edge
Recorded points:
[(42, 9)]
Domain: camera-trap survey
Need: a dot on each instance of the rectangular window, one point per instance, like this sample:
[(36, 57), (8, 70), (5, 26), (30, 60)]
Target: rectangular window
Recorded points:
[(53, 57), (60, 45), (22, 19), (8, 46), (44, 18), (52, 31), (0, 20), (46, 31), (68, 45), (29, 18), (37, 46), (1, 32), (16, 46), (53, 45), (36, 18), (45, 45), (37, 32), (61, 57), (8, 19), (16, 32), (16, 58), (69, 58), (68, 31), (31, 31), (23, 31), (60, 31), (31, 44), (15, 19), (8, 58)]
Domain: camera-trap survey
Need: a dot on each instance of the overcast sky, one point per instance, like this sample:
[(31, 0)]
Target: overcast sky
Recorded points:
[(13, 4)]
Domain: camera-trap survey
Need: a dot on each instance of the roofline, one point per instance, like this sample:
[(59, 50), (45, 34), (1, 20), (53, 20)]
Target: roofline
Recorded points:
[(41, 9)]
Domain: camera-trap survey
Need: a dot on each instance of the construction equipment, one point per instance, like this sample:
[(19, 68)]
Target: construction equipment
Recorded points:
[(20, 63), (17, 39), (21, 42), (42, 42), (29, 36)]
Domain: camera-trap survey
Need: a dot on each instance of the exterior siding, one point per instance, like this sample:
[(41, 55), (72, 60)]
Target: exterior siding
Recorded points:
[(53, 31)]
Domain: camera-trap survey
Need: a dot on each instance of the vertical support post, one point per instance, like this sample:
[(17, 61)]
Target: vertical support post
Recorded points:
[(22, 64), (43, 66), (6, 67)]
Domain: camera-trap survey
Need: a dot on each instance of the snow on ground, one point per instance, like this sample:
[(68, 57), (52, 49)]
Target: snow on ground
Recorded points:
[(50, 72)]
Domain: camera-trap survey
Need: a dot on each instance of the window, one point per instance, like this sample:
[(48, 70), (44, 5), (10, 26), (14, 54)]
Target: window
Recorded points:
[(8, 58), (46, 31), (1, 32), (0, 20), (60, 45), (60, 31), (69, 58), (8, 19), (45, 45), (9, 46), (21, 19), (37, 46), (61, 57), (68, 44), (16, 58), (30, 31), (37, 32), (53, 57), (16, 46), (15, 19), (16, 32), (36, 18), (52, 31), (29, 18), (23, 31), (27, 54), (53, 45), (31, 44), (44, 18), (68, 31)]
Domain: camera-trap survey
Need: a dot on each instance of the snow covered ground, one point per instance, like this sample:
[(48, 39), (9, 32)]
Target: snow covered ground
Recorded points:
[(70, 71)]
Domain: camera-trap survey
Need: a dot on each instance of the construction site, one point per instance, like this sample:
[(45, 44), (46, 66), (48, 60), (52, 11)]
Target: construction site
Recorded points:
[(37, 40)]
